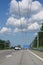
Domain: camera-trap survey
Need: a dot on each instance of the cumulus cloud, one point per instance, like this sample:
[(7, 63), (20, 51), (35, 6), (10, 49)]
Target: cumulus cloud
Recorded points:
[(20, 30), (38, 16), (24, 7), (36, 7), (24, 23), (13, 21), (17, 30), (34, 26), (16, 22), (5, 30)]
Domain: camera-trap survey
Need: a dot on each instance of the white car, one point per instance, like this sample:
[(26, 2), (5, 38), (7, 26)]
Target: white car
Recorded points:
[(17, 48)]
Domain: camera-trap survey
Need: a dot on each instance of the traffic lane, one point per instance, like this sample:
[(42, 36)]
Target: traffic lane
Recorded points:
[(39, 53), (37, 60), (29, 59), (4, 53), (1, 51), (15, 58), (23, 57)]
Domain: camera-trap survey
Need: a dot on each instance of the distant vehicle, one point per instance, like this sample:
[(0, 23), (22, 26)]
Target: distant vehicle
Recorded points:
[(17, 48)]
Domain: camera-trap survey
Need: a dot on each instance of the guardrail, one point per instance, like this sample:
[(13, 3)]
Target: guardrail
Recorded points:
[(39, 49)]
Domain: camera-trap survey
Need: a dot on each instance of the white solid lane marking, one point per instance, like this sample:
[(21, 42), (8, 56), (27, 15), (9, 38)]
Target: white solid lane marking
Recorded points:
[(36, 55), (7, 56)]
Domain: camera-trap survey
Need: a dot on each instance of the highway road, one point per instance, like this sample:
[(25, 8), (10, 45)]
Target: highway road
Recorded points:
[(20, 57)]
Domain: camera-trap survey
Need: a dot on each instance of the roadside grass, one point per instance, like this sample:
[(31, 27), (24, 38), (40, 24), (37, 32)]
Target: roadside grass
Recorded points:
[(41, 46)]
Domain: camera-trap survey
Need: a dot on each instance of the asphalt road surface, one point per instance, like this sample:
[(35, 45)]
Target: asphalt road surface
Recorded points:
[(20, 57)]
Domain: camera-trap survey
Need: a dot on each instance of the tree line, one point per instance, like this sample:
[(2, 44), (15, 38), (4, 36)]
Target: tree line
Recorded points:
[(38, 38), (4, 44)]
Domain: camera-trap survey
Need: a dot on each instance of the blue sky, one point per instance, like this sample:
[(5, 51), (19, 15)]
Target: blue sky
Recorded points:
[(10, 25)]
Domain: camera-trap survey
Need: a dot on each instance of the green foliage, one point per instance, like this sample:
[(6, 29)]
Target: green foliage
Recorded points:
[(19, 46), (4, 44), (40, 39), (34, 43), (12, 47), (41, 27), (7, 44), (41, 46)]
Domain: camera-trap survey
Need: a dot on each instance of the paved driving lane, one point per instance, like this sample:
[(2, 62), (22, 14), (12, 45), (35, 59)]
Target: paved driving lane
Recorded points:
[(22, 57)]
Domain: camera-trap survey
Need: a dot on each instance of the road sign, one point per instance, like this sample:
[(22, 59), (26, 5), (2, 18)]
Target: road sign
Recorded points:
[(26, 46)]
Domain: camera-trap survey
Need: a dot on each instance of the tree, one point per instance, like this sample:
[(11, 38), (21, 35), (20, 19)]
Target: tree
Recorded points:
[(41, 27), (7, 44), (19, 46), (2, 46)]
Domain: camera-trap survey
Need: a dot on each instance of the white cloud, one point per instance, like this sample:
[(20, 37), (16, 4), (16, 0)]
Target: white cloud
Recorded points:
[(36, 6), (23, 7), (38, 16), (15, 22), (12, 21), (17, 30), (31, 23), (20, 30), (5, 30), (34, 26), (26, 24)]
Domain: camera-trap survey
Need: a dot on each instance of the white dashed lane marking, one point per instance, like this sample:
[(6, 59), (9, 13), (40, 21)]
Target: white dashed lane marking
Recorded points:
[(7, 56)]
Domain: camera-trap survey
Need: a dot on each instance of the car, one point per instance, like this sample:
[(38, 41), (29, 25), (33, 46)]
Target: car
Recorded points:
[(17, 48)]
